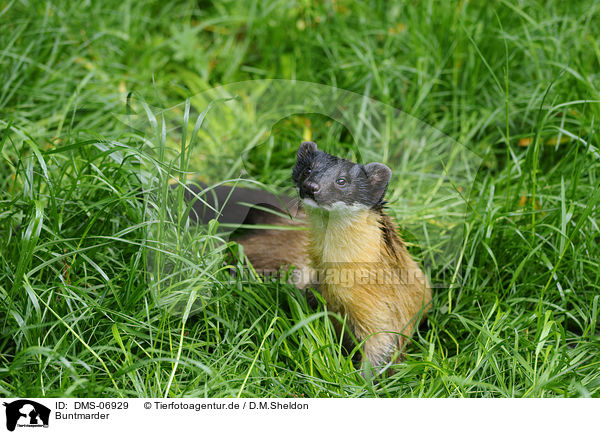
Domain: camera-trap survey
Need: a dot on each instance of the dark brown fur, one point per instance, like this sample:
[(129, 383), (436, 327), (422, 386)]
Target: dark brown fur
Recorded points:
[(272, 251)]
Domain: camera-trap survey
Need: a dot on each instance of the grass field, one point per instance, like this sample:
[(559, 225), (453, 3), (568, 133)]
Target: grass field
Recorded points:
[(82, 312)]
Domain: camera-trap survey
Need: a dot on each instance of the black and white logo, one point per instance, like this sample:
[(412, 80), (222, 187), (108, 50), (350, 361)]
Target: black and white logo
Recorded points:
[(26, 413)]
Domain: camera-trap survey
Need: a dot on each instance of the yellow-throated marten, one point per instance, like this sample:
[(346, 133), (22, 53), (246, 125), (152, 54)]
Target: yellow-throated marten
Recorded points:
[(351, 253), (366, 273)]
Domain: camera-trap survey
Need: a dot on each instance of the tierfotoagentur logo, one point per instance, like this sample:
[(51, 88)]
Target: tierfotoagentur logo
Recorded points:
[(25, 413)]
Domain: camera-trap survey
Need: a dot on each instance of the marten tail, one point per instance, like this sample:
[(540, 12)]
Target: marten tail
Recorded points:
[(259, 214), (237, 205)]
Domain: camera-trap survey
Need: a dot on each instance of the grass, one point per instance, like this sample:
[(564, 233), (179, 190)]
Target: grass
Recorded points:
[(91, 304)]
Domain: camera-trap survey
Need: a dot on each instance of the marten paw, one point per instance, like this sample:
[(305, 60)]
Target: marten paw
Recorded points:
[(379, 352)]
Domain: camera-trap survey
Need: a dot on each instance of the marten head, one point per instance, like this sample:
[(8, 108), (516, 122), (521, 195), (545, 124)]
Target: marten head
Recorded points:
[(331, 183)]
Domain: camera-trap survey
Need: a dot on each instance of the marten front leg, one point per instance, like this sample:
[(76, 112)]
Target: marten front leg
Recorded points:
[(380, 348)]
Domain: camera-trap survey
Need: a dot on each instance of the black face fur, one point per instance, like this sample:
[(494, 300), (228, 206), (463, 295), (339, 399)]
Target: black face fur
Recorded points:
[(329, 182)]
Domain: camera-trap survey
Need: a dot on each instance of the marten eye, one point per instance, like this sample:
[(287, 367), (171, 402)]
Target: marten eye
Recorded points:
[(340, 181)]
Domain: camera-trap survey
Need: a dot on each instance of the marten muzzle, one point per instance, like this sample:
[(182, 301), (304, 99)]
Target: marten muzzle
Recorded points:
[(309, 189)]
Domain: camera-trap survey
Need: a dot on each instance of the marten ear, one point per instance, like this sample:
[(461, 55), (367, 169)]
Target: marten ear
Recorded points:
[(306, 150), (379, 176)]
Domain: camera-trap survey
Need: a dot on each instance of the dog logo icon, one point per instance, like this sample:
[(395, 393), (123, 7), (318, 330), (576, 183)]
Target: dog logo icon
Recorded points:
[(26, 413)]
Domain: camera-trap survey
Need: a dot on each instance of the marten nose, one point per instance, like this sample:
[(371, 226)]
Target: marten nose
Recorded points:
[(310, 188)]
